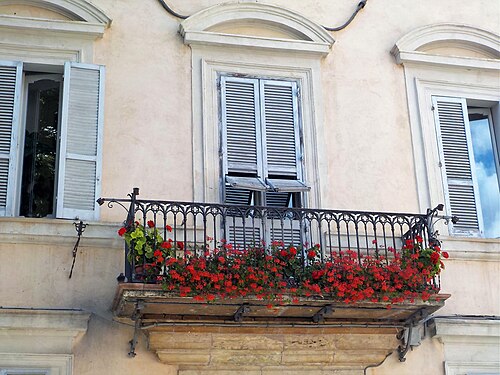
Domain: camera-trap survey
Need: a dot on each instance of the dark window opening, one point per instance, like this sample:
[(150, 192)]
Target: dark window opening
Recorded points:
[(40, 146)]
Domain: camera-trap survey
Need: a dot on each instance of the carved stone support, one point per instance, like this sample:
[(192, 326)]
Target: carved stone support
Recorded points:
[(235, 350)]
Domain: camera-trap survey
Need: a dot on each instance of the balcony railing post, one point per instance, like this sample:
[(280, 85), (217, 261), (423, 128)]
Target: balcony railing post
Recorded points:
[(432, 234), (129, 266)]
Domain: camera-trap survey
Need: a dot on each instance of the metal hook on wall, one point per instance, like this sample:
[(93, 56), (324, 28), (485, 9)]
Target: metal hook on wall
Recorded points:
[(80, 228)]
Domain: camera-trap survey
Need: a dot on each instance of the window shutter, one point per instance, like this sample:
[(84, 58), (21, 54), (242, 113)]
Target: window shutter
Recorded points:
[(79, 175), (10, 92), (280, 114), (240, 119), (458, 173)]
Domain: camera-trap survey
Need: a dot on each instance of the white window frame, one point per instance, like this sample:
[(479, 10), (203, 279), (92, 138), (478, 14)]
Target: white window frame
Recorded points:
[(48, 45), (428, 75), (215, 53)]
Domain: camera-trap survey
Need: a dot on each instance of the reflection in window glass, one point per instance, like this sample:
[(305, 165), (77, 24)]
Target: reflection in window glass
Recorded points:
[(486, 172)]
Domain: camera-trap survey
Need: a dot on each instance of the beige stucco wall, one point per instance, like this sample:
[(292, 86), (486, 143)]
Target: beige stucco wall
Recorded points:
[(148, 143)]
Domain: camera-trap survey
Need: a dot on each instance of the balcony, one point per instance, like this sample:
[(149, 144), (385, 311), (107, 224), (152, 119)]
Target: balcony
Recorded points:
[(186, 264)]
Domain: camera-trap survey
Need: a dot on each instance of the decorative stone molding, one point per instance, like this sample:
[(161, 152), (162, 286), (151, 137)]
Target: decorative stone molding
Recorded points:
[(472, 249), (50, 41), (304, 36), (56, 232), (470, 345), (237, 350), (77, 10), (410, 49), (463, 35), (38, 331)]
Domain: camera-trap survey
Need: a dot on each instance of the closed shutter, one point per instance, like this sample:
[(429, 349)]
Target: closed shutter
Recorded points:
[(79, 174), (240, 121), (10, 92), (458, 160), (244, 236), (280, 115)]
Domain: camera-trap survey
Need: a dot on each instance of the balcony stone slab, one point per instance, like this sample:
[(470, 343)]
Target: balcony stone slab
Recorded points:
[(202, 338)]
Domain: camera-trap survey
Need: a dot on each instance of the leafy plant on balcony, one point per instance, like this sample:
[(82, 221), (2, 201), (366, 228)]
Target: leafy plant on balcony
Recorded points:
[(144, 241), (277, 271)]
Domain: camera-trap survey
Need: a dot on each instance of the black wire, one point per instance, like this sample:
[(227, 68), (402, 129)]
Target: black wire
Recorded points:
[(172, 12), (360, 6)]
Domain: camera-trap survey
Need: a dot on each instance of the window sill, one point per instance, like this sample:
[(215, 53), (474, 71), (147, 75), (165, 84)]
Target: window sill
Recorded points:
[(45, 231), (470, 248)]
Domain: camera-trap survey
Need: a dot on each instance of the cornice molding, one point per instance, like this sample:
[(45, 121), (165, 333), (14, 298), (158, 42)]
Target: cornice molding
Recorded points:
[(407, 49), (77, 10), (308, 37)]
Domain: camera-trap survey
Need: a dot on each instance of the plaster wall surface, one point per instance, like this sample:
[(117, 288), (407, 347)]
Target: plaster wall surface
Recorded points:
[(148, 143)]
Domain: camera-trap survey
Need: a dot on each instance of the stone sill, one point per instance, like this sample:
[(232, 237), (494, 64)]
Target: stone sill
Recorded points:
[(58, 232)]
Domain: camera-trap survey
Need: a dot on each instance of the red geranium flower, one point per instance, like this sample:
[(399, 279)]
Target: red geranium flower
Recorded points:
[(151, 224), (445, 255), (311, 254), (168, 228), (122, 231), (166, 245)]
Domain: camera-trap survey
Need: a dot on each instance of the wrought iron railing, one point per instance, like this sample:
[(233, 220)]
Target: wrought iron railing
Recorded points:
[(194, 226)]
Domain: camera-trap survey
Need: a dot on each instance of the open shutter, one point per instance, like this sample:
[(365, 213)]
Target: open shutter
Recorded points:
[(79, 172), (10, 93), (240, 119), (280, 118), (456, 153)]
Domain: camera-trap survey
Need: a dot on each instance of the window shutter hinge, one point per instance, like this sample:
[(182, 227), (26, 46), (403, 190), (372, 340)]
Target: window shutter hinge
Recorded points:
[(440, 165), (432, 108)]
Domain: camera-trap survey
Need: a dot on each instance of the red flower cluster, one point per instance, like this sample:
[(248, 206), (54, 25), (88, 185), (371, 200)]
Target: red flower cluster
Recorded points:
[(278, 271)]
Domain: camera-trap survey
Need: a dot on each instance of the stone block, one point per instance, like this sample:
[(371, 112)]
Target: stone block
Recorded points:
[(317, 342), (248, 342), (158, 341), (309, 357), (246, 357), (181, 356)]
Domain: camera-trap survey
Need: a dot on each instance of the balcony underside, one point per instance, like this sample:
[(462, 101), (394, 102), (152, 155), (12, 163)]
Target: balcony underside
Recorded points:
[(159, 306)]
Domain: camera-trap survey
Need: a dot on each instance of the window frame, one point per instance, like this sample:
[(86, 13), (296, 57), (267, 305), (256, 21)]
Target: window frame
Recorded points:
[(296, 58), (46, 364), (62, 208), (21, 137), (427, 75)]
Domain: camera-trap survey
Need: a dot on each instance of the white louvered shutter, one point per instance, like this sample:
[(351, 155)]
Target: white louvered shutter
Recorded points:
[(79, 174), (10, 93), (458, 161), (280, 121), (240, 120)]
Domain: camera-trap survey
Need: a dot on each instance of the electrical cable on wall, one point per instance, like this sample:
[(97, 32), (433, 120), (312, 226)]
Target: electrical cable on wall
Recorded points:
[(360, 6)]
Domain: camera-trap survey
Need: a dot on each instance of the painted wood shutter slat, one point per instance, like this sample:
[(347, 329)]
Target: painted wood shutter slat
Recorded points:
[(240, 121), (281, 130), (242, 236), (10, 89), (451, 118), (81, 137)]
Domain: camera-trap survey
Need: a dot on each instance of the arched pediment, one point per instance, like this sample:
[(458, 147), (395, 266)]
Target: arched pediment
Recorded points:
[(75, 10), (453, 40), (256, 25)]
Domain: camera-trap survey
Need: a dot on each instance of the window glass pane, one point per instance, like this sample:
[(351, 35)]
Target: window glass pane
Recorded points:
[(486, 172)]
